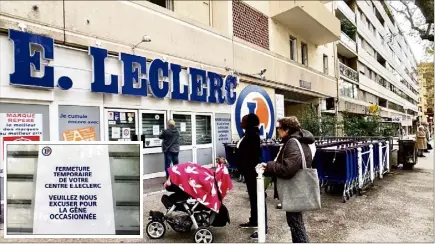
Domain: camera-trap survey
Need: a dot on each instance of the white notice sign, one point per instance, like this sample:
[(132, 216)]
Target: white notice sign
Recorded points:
[(183, 127), (156, 130), (116, 132), (73, 191), (279, 104)]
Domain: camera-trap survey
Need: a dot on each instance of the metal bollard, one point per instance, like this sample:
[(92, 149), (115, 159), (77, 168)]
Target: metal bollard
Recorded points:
[(260, 205), (360, 176), (387, 151), (372, 165), (381, 162)]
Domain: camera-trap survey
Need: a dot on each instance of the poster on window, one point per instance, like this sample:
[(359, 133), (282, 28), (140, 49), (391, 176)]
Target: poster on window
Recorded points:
[(20, 126), (79, 123)]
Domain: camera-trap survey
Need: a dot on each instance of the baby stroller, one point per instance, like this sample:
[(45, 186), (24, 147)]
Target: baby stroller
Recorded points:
[(195, 202)]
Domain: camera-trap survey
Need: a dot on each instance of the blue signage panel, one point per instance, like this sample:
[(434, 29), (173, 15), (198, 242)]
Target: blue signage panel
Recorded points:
[(205, 86)]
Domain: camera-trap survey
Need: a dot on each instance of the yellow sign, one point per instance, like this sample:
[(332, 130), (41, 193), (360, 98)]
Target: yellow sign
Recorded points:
[(82, 134)]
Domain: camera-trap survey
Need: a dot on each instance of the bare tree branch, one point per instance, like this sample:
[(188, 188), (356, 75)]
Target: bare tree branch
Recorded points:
[(408, 13)]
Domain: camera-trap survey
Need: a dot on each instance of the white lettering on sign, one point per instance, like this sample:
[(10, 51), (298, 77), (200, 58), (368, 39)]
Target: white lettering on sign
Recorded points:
[(73, 191)]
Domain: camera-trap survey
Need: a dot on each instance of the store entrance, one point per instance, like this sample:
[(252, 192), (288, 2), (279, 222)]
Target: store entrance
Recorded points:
[(196, 141)]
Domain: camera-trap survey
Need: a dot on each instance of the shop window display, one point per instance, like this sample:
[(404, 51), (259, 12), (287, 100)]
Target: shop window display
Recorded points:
[(122, 125)]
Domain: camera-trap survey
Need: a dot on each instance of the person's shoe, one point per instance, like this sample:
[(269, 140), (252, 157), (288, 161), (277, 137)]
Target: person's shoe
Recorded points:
[(247, 226), (279, 206), (255, 235)]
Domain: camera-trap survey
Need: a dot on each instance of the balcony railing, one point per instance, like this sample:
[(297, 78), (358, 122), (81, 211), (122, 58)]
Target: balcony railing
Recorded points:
[(348, 41), (348, 72)]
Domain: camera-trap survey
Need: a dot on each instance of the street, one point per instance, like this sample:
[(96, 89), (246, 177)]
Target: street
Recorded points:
[(398, 208)]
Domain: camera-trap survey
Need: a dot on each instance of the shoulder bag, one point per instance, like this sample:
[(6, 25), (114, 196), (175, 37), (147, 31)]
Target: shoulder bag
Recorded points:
[(302, 192)]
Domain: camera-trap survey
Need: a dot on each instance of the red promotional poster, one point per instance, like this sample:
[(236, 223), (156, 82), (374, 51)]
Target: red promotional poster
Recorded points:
[(18, 138)]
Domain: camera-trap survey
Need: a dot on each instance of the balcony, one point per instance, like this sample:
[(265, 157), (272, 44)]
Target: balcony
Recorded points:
[(310, 19), (346, 47), (348, 73), (344, 8)]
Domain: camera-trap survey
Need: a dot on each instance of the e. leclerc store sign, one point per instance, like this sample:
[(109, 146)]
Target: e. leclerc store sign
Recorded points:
[(204, 86)]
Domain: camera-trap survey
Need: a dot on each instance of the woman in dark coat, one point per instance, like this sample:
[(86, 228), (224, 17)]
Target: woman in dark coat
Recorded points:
[(288, 163), (248, 157)]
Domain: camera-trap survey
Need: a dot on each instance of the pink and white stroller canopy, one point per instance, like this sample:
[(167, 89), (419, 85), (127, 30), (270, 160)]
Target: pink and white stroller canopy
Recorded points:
[(202, 183)]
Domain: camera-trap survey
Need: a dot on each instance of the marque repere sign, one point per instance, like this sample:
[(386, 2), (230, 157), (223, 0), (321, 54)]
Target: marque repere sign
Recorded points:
[(204, 86)]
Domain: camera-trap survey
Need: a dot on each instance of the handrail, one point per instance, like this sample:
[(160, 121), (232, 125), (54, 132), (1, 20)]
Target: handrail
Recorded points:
[(348, 72)]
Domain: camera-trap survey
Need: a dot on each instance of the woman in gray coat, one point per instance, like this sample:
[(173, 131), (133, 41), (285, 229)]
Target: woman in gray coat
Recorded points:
[(288, 163)]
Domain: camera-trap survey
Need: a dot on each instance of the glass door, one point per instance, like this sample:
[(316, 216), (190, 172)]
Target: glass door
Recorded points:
[(203, 144), (184, 123), (151, 125)]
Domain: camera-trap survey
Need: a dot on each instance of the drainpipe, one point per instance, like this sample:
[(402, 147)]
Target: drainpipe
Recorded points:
[(210, 13), (337, 78)]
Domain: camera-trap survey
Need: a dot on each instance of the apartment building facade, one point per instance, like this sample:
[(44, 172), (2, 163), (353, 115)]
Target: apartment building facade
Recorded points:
[(77, 51), (376, 63)]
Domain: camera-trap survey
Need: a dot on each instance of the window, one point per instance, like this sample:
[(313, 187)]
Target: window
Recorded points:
[(348, 89), (169, 4), (293, 48), (121, 124), (184, 125), (325, 64), (152, 124), (203, 129), (304, 52), (362, 68)]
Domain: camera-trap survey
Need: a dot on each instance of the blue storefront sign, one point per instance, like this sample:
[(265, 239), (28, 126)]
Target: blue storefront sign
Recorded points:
[(204, 86)]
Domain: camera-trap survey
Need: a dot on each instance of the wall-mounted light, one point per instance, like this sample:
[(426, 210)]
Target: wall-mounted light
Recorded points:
[(145, 38), (22, 27)]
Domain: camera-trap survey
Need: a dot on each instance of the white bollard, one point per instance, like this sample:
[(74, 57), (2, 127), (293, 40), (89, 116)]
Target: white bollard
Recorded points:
[(261, 206), (360, 176), (381, 163), (387, 151), (372, 165)]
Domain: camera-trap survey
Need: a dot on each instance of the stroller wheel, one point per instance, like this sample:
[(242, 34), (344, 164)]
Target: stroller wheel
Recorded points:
[(156, 229), (203, 235)]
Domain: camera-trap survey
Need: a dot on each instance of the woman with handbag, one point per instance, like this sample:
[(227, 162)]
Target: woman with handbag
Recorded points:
[(291, 169)]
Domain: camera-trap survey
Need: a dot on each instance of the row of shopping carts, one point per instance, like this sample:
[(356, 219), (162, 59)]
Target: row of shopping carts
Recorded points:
[(349, 164)]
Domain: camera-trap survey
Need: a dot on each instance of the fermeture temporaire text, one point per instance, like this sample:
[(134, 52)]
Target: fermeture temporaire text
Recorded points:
[(75, 182)]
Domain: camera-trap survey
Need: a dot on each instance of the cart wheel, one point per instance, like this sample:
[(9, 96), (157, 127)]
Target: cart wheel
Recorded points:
[(408, 166), (203, 235), (156, 229)]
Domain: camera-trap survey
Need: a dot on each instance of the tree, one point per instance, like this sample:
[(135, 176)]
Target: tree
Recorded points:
[(419, 14), (426, 72), (323, 125)]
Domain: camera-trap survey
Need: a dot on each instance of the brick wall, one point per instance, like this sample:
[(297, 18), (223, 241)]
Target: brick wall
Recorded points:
[(250, 24)]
